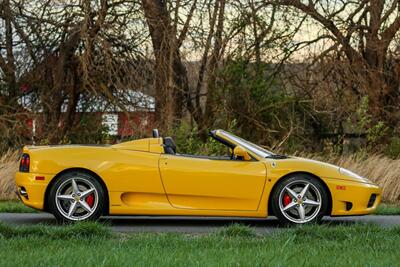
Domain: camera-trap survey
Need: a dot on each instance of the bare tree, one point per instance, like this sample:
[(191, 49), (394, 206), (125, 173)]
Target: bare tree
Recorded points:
[(171, 82), (66, 52), (365, 32)]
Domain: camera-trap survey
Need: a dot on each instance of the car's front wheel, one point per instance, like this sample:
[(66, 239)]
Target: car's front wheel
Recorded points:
[(76, 196), (299, 199)]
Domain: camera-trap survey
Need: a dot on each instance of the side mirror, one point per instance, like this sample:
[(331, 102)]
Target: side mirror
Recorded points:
[(241, 154)]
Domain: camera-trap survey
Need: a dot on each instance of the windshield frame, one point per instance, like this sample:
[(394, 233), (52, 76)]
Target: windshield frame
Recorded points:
[(253, 148)]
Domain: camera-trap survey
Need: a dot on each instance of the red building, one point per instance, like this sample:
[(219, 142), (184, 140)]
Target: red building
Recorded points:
[(137, 116)]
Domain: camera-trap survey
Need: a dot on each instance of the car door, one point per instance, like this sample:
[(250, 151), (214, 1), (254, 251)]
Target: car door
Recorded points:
[(212, 184)]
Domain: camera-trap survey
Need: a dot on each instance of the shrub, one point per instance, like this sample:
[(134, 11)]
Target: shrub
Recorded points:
[(188, 142), (393, 148)]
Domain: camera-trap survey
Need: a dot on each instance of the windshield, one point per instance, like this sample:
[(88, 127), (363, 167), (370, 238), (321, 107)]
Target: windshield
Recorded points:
[(262, 152)]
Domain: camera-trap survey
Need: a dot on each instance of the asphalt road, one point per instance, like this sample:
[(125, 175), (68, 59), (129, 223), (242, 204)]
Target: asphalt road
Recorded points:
[(188, 224)]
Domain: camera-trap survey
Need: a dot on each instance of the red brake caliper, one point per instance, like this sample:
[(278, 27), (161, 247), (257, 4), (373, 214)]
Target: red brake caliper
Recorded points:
[(90, 200), (286, 199)]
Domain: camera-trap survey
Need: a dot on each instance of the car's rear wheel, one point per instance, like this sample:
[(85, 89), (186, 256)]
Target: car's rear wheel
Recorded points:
[(299, 199), (76, 196)]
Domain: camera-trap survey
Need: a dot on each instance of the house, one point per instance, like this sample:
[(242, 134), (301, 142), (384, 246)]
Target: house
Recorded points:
[(129, 113)]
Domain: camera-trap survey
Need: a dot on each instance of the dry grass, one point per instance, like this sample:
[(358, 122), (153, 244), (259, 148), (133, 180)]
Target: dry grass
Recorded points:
[(8, 167), (379, 169), (382, 170)]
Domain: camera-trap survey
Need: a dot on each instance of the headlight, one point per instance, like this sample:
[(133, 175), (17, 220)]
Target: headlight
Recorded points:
[(353, 175)]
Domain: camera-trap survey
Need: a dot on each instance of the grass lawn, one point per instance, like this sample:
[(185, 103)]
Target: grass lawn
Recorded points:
[(15, 206), (91, 244), (388, 209)]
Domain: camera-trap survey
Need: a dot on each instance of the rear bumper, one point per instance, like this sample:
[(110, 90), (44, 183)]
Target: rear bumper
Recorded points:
[(32, 191), (353, 198)]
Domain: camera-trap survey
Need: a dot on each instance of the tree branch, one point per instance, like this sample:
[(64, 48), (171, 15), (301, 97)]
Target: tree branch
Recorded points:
[(309, 9), (184, 31)]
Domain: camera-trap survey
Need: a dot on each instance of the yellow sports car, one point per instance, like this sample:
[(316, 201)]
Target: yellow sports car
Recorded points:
[(149, 177)]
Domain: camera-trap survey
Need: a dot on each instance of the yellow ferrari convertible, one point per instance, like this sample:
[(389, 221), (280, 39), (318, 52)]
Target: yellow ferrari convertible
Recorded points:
[(149, 177)]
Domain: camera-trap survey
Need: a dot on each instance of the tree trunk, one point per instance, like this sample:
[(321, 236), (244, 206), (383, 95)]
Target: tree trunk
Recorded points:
[(9, 68), (212, 94), (171, 83)]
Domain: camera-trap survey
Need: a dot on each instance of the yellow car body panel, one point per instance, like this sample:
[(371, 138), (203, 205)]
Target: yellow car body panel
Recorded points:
[(206, 184), (141, 179)]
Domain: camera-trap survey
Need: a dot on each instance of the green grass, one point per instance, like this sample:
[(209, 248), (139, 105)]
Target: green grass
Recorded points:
[(236, 230), (388, 209), (94, 245), (72, 231), (15, 207)]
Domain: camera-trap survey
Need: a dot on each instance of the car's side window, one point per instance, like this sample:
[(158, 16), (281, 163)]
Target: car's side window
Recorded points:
[(212, 149)]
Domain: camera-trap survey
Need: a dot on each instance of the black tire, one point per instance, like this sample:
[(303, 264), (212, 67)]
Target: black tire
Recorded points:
[(289, 217), (81, 178)]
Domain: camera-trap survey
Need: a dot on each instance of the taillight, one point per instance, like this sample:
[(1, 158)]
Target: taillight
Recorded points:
[(24, 163)]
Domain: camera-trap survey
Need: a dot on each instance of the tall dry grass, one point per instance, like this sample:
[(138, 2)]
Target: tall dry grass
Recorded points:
[(380, 169), (377, 168), (8, 167)]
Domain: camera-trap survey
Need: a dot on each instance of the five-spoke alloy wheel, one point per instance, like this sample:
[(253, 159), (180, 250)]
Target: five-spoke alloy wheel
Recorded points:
[(299, 199), (76, 196)]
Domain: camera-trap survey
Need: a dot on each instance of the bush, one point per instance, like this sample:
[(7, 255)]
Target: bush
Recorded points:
[(189, 142), (393, 148)]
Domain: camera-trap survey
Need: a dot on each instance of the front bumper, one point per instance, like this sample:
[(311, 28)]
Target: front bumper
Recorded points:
[(30, 190), (353, 198)]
